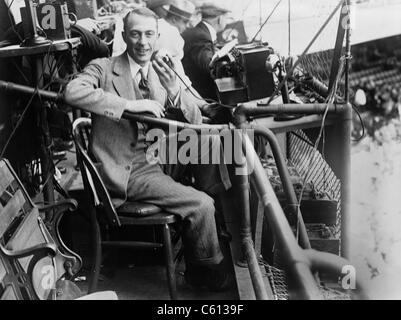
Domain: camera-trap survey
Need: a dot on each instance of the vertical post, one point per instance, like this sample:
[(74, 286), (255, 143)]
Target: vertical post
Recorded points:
[(260, 17), (45, 139), (346, 153), (348, 51), (335, 64), (289, 28), (242, 180), (345, 177), (170, 265)]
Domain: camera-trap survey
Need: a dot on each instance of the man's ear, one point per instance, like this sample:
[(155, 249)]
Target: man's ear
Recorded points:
[(124, 36)]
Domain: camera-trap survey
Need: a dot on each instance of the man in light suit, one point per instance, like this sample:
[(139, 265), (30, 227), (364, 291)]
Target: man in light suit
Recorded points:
[(132, 82), (172, 23)]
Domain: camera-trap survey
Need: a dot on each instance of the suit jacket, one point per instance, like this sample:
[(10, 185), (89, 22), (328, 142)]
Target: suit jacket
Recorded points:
[(104, 88), (198, 52)]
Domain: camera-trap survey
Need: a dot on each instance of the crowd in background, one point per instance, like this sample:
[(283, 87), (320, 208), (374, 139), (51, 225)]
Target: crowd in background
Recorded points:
[(376, 80)]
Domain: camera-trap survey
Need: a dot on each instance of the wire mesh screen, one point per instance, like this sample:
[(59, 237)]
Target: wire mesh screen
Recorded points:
[(318, 66), (315, 171), (279, 284)]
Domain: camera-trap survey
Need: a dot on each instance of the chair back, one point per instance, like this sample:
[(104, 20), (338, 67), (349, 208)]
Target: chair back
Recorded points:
[(93, 183)]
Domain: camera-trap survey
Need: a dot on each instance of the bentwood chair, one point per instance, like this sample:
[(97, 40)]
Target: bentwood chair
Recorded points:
[(102, 212)]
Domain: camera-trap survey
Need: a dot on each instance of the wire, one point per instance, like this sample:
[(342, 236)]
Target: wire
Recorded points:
[(18, 123), (264, 23), (363, 135), (210, 101), (22, 117), (332, 95), (302, 138), (305, 52), (20, 71)]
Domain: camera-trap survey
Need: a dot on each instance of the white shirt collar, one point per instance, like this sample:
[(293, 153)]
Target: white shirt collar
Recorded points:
[(212, 31), (135, 67)]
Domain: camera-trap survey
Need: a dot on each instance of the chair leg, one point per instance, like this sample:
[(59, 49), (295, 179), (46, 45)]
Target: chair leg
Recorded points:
[(97, 243), (170, 265)]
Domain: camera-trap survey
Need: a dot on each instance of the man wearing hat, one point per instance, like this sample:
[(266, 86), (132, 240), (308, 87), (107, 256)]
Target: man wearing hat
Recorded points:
[(173, 25), (158, 6), (174, 18), (198, 52)]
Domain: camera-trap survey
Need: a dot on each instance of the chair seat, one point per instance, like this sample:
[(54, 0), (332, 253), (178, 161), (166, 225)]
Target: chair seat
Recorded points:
[(138, 209), (139, 213)]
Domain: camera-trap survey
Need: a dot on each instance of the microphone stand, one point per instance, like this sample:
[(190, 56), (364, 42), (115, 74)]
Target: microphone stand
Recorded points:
[(31, 16), (284, 94)]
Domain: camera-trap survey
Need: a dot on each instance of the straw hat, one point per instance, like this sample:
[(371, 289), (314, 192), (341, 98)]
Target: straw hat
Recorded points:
[(182, 8)]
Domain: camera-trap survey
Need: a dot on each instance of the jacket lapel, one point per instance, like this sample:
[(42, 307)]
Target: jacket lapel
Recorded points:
[(122, 80)]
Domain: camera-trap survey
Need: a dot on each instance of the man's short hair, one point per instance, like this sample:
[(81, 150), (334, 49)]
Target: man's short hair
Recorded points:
[(141, 11)]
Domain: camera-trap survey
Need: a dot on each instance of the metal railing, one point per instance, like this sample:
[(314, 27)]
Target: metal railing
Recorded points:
[(299, 263)]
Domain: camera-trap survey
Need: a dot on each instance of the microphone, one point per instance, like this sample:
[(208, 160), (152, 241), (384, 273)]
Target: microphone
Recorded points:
[(163, 55)]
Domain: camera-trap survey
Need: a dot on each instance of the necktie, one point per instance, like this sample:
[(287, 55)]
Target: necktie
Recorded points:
[(143, 85)]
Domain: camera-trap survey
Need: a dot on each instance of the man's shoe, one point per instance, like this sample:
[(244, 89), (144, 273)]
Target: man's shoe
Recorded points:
[(213, 278), (194, 275), (219, 279)]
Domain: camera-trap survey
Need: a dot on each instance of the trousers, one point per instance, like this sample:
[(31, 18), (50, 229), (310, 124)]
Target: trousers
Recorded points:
[(150, 184)]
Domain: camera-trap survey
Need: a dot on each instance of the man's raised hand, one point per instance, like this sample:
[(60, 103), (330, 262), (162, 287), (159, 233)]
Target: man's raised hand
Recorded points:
[(166, 74)]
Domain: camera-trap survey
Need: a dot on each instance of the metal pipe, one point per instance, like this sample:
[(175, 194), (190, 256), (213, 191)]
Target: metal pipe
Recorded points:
[(254, 269), (18, 88), (302, 279), (165, 123), (345, 113), (296, 263), (348, 54), (286, 181), (246, 232), (344, 135), (299, 263), (258, 109), (332, 264)]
